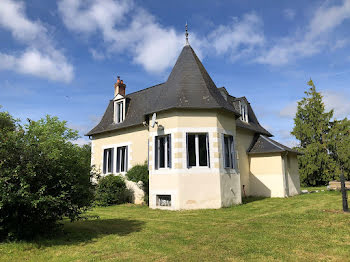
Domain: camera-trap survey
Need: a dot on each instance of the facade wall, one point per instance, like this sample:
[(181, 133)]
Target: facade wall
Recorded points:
[(244, 140), (195, 187), (267, 175), (136, 140), (293, 174)]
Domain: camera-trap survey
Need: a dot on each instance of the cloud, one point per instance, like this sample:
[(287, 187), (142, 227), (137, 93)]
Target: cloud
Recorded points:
[(150, 44), (41, 57), (338, 101), (240, 38), (309, 41), (289, 13)]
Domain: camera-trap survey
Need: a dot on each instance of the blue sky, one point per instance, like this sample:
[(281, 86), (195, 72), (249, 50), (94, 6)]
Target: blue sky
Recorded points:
[(62, 57)]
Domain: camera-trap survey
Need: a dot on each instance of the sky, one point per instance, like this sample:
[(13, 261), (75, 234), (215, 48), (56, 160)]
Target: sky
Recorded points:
[(62, 57)]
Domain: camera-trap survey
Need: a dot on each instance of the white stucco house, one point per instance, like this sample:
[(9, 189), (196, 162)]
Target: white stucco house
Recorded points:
[(207, 149)]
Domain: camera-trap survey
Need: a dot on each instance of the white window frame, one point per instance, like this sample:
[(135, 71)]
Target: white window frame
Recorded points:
[(231, 151), (118, 162), (118, 112), (106, 172), (197, 150), (243, 107), (167, 140)]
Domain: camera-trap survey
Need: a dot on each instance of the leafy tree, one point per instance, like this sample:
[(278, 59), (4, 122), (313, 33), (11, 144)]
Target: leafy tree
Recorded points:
[(140, 173), (43, 178), (7, 122), (311, 128)]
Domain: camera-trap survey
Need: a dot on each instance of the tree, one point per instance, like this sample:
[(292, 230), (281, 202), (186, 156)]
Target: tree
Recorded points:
[(339, 147), (7, 122), (44, 177), (311, 128)]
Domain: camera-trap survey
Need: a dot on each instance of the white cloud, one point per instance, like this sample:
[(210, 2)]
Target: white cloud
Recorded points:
[(312, 40), (240, 38), (41, 58), (289, 13), (338, 101)]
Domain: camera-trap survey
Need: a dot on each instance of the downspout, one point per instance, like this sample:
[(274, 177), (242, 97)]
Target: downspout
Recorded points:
[(285, 174)]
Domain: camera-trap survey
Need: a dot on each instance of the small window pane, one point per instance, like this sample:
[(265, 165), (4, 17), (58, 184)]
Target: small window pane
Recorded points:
[(122, 167), (163, 200), (169, 150), (161, 152), (227, 151), (191, 144), (203, 153)]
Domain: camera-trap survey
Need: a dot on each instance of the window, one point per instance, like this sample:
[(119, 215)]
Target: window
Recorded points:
[(197, 150), (119, 111), (122, 159), (229, 155), (244, 111), (108, 161), (164, 200), (163, 151)]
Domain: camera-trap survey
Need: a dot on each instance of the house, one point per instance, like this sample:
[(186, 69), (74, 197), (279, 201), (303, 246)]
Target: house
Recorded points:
[(205, 149)]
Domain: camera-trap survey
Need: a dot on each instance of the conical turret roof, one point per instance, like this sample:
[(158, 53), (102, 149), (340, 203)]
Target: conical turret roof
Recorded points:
[(190, 86)]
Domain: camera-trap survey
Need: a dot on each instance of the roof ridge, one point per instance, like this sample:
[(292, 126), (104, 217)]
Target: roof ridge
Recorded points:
[(138, 91)]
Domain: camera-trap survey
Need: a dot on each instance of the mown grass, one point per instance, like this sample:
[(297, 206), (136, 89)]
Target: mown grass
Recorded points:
[(301, 228)]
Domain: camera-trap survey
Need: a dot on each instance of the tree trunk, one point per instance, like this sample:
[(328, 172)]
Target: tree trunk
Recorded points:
[(344, 194)]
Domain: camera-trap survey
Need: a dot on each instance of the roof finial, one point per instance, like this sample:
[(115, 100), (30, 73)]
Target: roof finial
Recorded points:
[(186, 34)]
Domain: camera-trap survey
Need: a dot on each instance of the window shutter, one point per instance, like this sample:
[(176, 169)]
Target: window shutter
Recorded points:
[(118, 160), (105, 161), (155, 152), (111, 161), (232, 156), (208, 152), (187, 154), (223, 149), (169, 150), (126, 158)]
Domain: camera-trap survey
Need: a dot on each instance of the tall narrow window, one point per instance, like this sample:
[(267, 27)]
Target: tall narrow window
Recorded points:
[(122, 159), (108, 161), (244, 111), (119, 111), (163, 151), (197, 150), (229, 156)]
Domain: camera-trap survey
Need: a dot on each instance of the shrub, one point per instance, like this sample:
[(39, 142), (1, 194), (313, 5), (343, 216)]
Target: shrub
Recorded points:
[(43, 178), (140, 173), (111, 190)]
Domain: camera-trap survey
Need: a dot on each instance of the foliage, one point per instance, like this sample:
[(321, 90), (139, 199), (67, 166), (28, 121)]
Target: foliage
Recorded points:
[(311, 128), (7, 122), (140, 173), (43, 178), (339, 145), (111, 190)]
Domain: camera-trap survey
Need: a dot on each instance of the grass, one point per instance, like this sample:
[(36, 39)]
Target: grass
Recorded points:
[(299, 228)]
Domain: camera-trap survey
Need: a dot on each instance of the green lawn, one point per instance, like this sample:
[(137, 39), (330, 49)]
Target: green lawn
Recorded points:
[(305, 227)]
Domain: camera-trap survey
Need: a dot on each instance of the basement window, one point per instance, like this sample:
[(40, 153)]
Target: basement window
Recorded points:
[(119, 111), (108, 160), (244, 111), (229, 155), (163, 151), (197, 150), (163, 200), (122, 159)]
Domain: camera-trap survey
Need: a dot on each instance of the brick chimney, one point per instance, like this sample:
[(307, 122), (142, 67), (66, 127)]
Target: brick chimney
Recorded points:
[(119, 87)]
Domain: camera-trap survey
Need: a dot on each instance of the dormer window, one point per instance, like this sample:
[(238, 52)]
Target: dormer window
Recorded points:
[(119, 111), (244, 111)]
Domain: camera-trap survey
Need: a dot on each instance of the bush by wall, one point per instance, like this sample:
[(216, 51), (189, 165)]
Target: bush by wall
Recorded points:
[(111, 190), (140, 173)]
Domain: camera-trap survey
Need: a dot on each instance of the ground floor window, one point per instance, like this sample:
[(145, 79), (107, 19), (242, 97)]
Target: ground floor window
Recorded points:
[(197, 149), (122, 159), (163, 151), (108, 160), (228, 146), (164, 200)]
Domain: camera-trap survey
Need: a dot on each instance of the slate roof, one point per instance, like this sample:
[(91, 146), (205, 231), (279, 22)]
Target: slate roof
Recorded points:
[(262, 144), (188, 86), (253, 123)]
